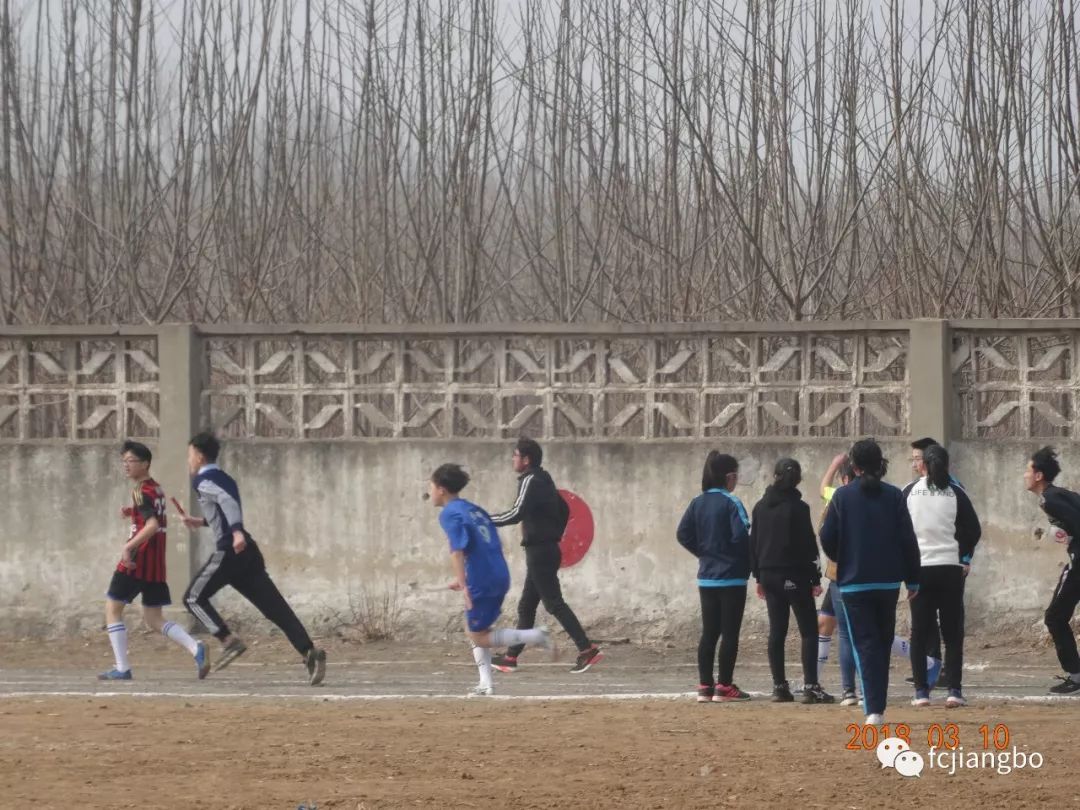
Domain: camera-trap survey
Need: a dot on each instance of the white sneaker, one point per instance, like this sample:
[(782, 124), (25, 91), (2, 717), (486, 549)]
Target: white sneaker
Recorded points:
[(875, 720), (481, 691), (955, 700)]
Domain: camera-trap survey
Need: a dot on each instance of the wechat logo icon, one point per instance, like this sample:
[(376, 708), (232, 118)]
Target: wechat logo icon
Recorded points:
[(893, 752)]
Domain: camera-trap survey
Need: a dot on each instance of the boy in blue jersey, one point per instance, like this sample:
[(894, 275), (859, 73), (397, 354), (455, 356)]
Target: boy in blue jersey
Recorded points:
[(480, 571)]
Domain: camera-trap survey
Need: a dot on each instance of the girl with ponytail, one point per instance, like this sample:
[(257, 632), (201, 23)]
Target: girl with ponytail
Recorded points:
[(947, 529), (784, 561), (868, 533)]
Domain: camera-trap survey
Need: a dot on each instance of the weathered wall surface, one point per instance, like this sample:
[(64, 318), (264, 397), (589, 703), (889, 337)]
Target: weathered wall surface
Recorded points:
[(60, 535), (346, 533), (333, 430)]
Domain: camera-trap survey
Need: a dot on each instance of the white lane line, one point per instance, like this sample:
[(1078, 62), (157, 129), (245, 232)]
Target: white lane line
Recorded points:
[(333, 696), (315, 695)]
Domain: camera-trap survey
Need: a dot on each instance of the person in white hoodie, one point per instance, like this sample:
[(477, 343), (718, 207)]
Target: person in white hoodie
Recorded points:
[(948, 530)]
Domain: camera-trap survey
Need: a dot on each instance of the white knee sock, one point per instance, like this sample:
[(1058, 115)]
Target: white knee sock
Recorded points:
[(510, 637), (118, 640), (175, 633), (901, 648), (823, 644), (482, 656)]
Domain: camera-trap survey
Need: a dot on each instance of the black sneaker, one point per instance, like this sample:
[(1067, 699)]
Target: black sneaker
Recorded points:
[(1067, 687), (316, 665), (781, 693), (504, 662), (705, 693), (587, 659), (909, 679), (233, 650), (729, 693), (815, 694)]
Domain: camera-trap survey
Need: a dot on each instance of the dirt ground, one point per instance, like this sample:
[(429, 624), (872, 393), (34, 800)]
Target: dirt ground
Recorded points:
[(371, 739)]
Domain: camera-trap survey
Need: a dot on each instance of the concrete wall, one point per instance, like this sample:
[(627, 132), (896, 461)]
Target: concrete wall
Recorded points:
[(345, 531)]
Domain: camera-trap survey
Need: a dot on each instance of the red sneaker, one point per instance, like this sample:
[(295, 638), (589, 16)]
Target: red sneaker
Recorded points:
[(587, 659)]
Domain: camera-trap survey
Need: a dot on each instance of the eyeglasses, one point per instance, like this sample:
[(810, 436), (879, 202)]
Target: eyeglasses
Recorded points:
[(127, 462)]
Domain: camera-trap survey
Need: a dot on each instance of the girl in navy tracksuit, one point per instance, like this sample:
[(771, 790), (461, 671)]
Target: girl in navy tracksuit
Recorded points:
[(716, 530), (868, 533)]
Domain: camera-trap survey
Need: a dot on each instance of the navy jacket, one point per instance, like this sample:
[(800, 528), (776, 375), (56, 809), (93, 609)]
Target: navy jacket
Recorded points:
[(219, 502), (716, 530), (868, 533)]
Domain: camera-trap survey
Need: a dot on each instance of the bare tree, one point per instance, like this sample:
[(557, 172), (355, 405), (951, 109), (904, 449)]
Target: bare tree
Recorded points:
[(628, 160)]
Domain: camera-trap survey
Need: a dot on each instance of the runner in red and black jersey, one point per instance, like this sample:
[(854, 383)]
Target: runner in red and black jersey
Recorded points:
[(141, 569), (147, 504)]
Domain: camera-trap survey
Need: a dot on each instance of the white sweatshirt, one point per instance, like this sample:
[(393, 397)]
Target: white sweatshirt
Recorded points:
[(945, 523)]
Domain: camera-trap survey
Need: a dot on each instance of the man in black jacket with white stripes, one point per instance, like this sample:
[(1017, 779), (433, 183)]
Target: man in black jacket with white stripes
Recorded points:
[(543, 515)]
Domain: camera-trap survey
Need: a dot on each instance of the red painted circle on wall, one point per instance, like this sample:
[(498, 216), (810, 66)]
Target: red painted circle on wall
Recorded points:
[(578, 537)]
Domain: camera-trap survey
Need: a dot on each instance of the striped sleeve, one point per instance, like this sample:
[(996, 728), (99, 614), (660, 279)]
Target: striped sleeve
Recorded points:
[(513, 515)]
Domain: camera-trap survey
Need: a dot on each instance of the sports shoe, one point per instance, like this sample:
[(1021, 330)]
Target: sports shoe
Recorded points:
[(909, 679), (481, 691), (728, 694), (933, 672), (781, 693), (922, 698), (587, 659), (849, 698), (1067, 686), (815, 694), (504, 663), (315, 661), (115, 675), (875, 720), (233, 650), (705, 693), (955, 699), (202, 659)]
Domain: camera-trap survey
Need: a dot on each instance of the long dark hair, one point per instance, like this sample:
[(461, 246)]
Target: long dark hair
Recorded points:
[(718, 466), (936, 459), (787, 475), (867, 457)]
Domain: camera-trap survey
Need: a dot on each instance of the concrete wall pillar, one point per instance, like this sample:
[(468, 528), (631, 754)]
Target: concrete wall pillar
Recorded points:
[(930, 376), (181, 379)]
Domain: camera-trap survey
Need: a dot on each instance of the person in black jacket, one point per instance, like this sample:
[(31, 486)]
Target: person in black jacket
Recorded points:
[(868, 533), (543, 515), (784, 561), (716, 530), (1062, 506)]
